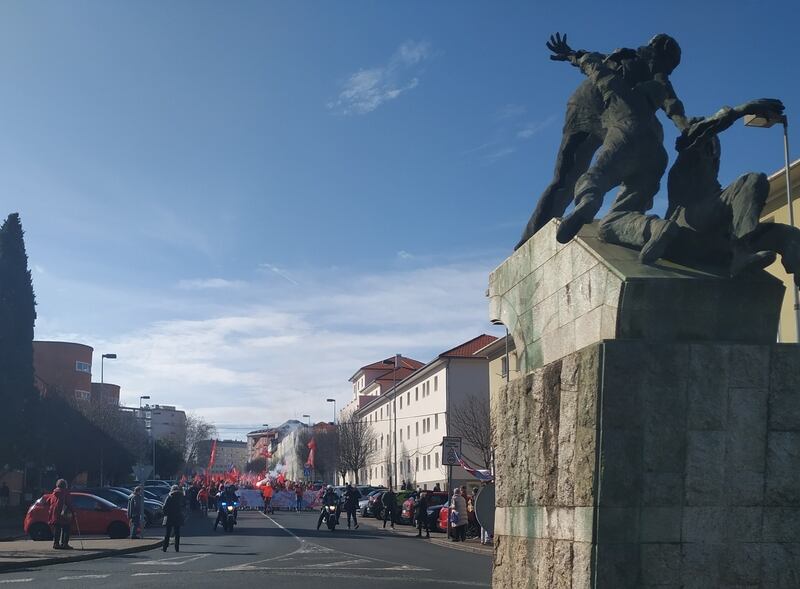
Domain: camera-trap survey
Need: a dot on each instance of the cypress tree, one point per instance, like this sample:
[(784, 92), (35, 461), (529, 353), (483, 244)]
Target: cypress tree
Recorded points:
[(17, 316)]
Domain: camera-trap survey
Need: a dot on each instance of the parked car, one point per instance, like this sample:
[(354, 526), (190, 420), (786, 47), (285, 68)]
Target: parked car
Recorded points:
[(409, 509), (153, 510), (374, 504), (159, 482), (367, 505), (400, 497), (433, 516), (443, 519), (93, 515), (147, 494)]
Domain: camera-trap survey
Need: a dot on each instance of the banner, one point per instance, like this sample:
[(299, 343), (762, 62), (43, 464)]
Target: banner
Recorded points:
[(250, 499)]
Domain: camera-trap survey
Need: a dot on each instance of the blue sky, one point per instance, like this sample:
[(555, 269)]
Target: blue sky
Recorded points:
[(248, 200)]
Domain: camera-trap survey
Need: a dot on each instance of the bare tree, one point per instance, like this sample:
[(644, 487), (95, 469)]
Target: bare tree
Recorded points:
[(197, 430), (470, 420), (355, 445)]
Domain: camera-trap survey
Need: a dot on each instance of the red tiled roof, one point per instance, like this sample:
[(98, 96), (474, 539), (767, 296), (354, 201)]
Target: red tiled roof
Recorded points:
[(468, 349), (388, 364)]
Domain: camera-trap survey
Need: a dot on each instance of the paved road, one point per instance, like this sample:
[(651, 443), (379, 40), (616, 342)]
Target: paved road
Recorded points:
[(284, 548)]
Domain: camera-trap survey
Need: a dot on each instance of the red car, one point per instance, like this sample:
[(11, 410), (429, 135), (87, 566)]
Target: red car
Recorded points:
[(444, 519), (95, 516)]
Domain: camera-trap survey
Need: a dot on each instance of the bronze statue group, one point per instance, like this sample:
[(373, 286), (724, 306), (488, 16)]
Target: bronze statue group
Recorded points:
[(612, 139)]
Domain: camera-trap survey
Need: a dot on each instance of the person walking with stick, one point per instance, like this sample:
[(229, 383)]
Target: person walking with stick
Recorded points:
[(61, 515), (421, 515), (173, 517)]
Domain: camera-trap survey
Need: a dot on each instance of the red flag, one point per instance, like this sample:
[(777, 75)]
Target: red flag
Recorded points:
[(312, 448), (213, 454)]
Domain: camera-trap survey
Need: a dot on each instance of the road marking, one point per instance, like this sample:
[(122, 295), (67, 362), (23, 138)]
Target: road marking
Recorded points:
[(173, 560), (17, 580), (83, 577), (148, 574)]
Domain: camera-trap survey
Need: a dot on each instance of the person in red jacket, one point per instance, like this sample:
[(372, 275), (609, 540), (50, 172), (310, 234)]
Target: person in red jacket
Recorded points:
[(61, 515)]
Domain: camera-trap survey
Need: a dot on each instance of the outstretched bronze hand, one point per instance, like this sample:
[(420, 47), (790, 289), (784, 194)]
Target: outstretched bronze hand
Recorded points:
[(769, 108), (558, 45)]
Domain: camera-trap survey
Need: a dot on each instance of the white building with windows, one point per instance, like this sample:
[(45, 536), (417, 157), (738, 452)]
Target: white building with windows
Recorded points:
[(407, 409)]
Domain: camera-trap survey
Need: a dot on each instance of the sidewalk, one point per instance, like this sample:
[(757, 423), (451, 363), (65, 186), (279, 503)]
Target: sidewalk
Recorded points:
[(473, 545), (27, 553)]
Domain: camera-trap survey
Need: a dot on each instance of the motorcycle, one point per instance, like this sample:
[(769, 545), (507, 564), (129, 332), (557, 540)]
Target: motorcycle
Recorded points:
[(329, 516), (229, 517)]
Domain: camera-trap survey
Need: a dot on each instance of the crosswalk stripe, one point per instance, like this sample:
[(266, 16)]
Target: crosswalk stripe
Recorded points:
[(83, 577), (17, 580)]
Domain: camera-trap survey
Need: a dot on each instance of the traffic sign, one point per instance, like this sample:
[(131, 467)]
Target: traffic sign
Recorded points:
[(451, 450)]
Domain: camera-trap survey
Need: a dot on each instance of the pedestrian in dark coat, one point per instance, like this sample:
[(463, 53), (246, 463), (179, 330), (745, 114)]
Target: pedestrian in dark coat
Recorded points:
[(61, 515), (351, 497), (422, 515), (389, 501), (136, 512), (173, 516)]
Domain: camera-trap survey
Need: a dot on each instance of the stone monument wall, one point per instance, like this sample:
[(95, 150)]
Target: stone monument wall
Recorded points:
[(644, 464)]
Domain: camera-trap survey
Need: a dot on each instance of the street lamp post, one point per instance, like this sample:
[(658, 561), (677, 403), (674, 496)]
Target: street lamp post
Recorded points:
[(102, 391), (765, 122), (334, 409)]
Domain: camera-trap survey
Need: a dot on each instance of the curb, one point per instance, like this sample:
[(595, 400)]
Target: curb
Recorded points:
[(443, 543), (40, 562)]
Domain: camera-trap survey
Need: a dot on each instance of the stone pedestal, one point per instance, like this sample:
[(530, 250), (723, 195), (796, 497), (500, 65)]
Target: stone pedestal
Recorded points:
[(656, 457)]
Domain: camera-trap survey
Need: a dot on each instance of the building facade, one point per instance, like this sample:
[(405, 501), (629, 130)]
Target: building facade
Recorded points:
[(106, 393), (162, 422), (777, 210), (229, 454), (408, 415), (63, 368)]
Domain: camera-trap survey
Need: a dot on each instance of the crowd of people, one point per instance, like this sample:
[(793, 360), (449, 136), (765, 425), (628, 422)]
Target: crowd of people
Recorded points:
[(203, 496)]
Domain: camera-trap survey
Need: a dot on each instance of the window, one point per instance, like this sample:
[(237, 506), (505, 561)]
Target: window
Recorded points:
[(381, 440), (401, 435), (436, 460), (417, 424), (381, 413), (423, 427), (436, 421), (417, 462), (82, 395), (408, 432), (408, 398), (83, 367), (83, 502), (401, 402), (416, 393), (435, 383), (409, 465)]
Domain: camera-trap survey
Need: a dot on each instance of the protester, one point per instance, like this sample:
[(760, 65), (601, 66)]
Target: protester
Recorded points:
[(298, 491), (266, 492), (422, 515), (136, 512), (61, 515), (173, 517), (202, 499), (389, 501), (351, 497), (458, 516), (437, 488)]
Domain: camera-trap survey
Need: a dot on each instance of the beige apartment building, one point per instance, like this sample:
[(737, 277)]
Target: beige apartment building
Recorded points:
[(408, 411), (777, 210)]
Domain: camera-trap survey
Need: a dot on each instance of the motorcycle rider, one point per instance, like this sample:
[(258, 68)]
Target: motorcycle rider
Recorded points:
[(351, 497), (330, 498), (227, 495)]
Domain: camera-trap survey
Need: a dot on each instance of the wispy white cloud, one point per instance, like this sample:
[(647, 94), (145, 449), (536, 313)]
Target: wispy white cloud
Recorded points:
[(511, 111), (210, 283), (404, 255), (367, 89), (534, 127), (271, 361), (278, 271)]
